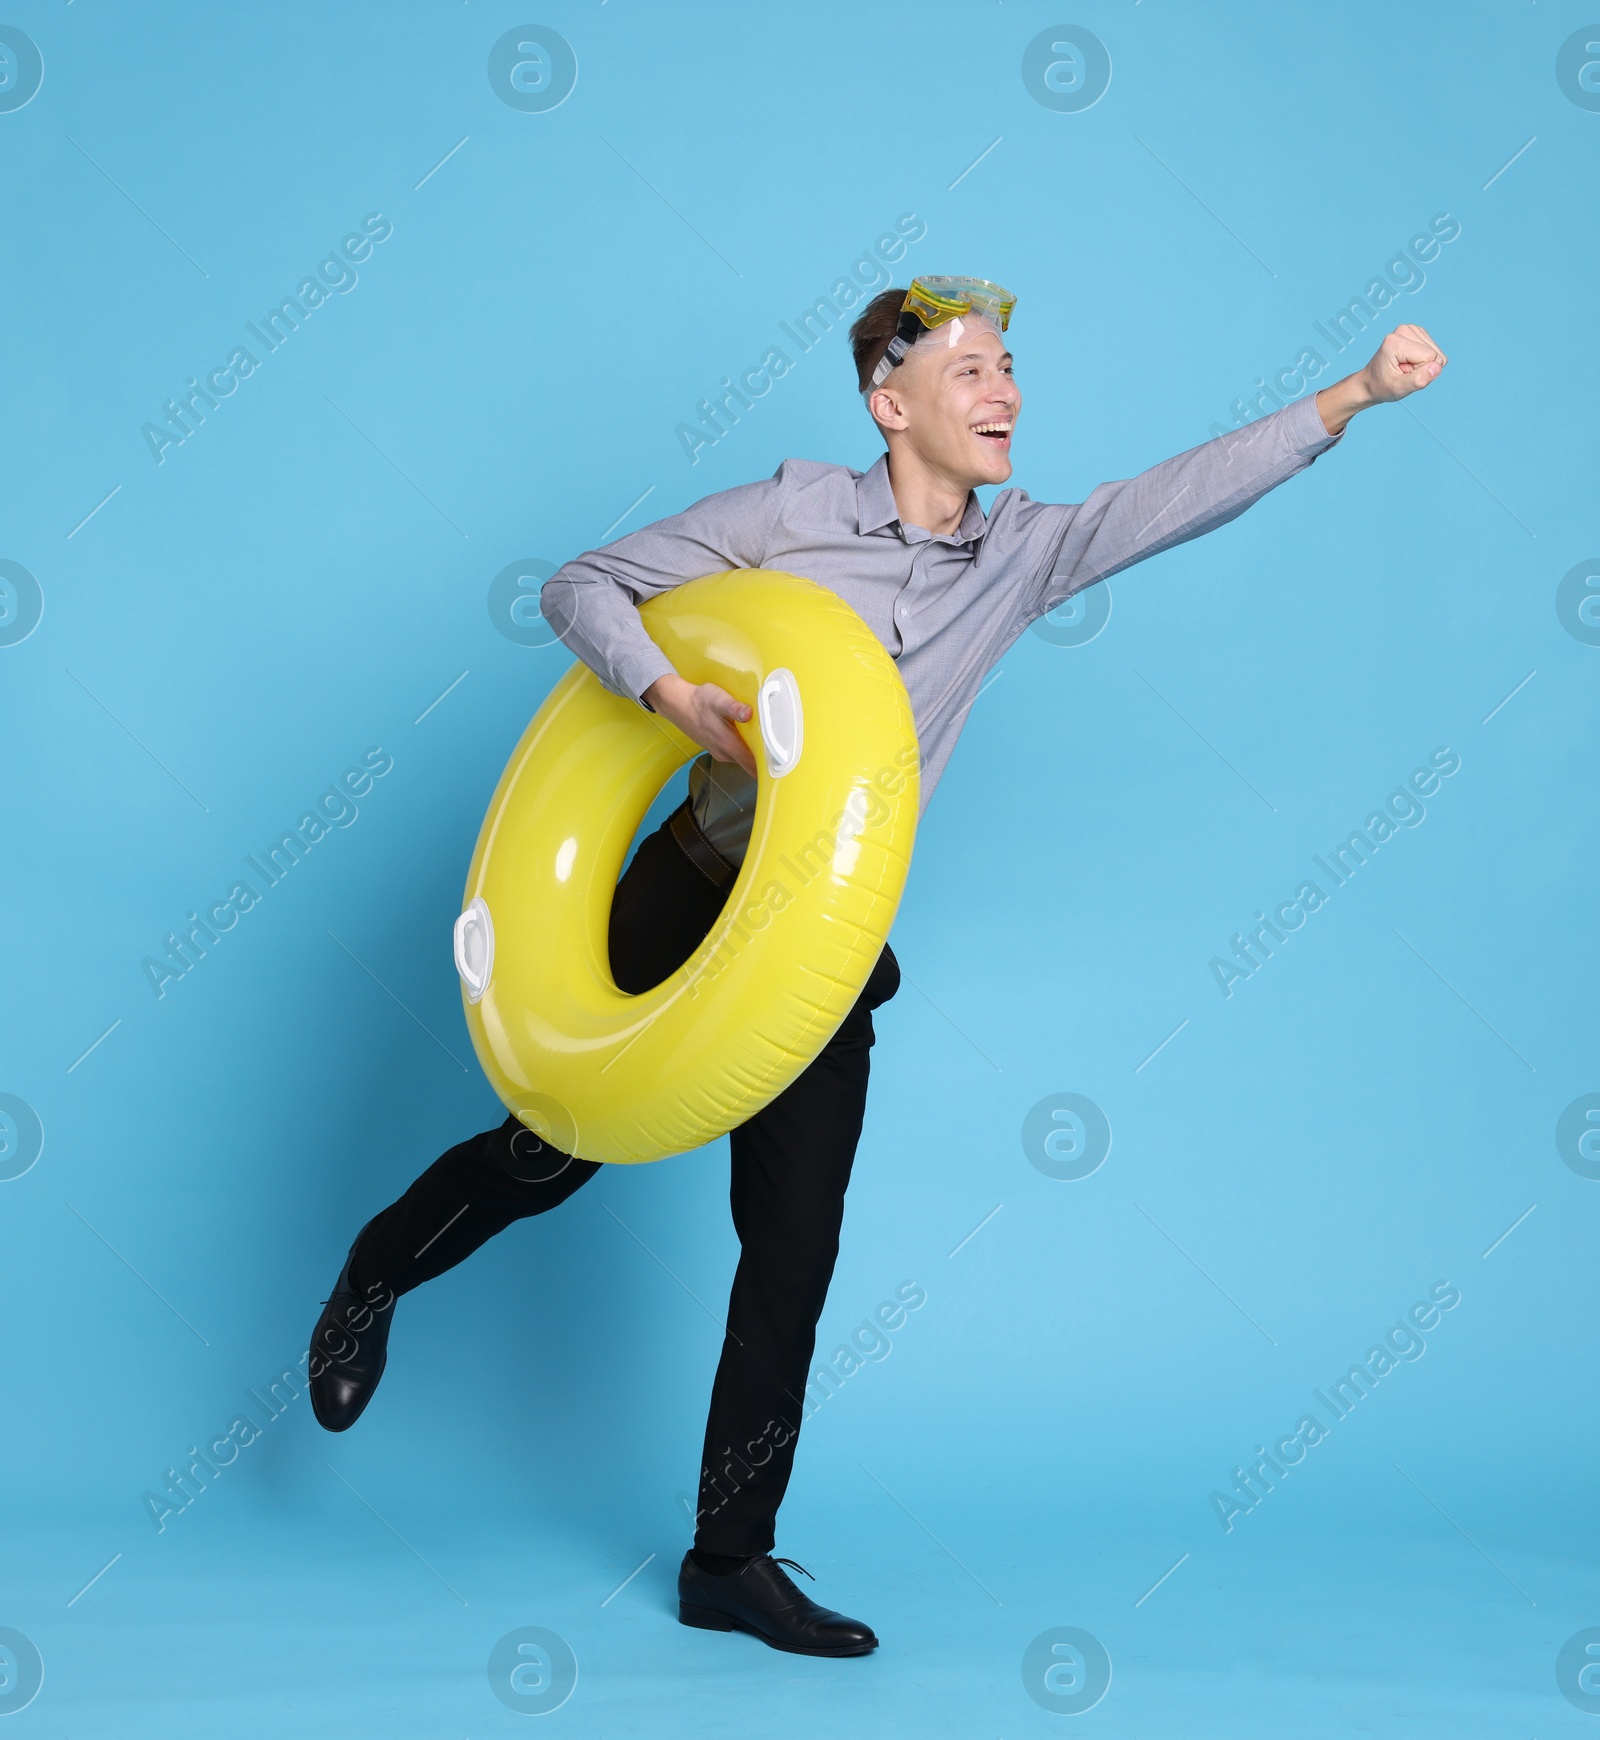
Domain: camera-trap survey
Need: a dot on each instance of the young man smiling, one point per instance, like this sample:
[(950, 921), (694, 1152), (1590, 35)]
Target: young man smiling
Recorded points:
[(947, 589)]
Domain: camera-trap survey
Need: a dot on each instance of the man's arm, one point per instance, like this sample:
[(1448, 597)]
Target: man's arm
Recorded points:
[(593, 604), (1183, 498)]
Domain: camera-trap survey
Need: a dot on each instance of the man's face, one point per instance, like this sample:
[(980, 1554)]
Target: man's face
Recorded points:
[(955, 405)]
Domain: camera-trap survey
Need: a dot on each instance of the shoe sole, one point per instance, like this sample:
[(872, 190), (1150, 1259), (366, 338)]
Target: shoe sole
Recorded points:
[(704, 1619)]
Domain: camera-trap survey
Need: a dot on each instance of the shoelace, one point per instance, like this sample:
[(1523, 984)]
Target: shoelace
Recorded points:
[(799, 1567)]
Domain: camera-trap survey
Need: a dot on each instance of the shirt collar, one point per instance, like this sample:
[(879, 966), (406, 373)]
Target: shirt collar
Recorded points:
[(875, 507)]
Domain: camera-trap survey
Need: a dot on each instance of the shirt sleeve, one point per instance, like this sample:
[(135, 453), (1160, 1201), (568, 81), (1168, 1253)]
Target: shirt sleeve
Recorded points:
[(593, 602), (1182, 498)]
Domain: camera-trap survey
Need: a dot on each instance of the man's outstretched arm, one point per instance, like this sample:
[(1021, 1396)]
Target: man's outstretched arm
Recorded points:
[(1119, 524)]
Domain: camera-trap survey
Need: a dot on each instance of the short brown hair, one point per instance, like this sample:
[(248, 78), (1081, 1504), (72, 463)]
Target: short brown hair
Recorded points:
[(869, 337)]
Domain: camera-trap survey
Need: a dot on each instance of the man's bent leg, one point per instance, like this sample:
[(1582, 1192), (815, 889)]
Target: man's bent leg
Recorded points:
[(663, 907), (468, 1195), (791, 1167)]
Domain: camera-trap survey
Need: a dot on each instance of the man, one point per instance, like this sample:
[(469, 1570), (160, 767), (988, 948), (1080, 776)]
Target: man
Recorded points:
[(947, 590)]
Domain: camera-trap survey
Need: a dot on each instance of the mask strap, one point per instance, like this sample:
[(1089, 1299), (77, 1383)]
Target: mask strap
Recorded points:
[(897, 348)]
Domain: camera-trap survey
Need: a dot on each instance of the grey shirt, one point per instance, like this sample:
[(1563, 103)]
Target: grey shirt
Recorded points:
[(947, 607)]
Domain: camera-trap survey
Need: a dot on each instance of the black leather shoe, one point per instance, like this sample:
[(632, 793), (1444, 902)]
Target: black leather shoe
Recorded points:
[(763, 1600), (349, 1348)]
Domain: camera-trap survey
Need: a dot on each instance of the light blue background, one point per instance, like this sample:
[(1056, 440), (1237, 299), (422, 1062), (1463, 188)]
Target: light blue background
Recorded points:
[(1296, 1167)]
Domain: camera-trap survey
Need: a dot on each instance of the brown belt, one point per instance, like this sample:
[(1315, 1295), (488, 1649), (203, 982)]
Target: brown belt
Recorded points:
[(698, 849)]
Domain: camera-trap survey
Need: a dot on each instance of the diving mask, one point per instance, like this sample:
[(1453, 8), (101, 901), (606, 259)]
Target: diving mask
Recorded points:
[(942, 307)]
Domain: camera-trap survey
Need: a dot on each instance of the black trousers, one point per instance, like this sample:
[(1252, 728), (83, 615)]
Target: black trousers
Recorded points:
[(791, 1166)]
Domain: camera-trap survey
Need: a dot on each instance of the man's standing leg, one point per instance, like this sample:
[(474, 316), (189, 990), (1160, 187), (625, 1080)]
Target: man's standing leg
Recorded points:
[(791, 1168)]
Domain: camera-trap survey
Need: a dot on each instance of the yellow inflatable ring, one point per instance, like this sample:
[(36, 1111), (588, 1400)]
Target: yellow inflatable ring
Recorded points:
[(608, 1076)]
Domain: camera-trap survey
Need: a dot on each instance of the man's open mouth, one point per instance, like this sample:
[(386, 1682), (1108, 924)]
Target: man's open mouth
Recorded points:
[(998, 431)]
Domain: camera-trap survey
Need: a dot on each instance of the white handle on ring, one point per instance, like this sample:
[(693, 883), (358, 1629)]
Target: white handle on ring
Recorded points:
[(474, 941), (782, 721)]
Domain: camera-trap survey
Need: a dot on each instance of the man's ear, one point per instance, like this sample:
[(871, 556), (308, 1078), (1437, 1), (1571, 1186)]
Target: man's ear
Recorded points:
[(886, 408)]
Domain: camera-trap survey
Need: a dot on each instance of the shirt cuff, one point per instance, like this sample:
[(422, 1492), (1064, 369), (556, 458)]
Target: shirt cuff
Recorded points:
[(1304, 430), (635, 673)]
